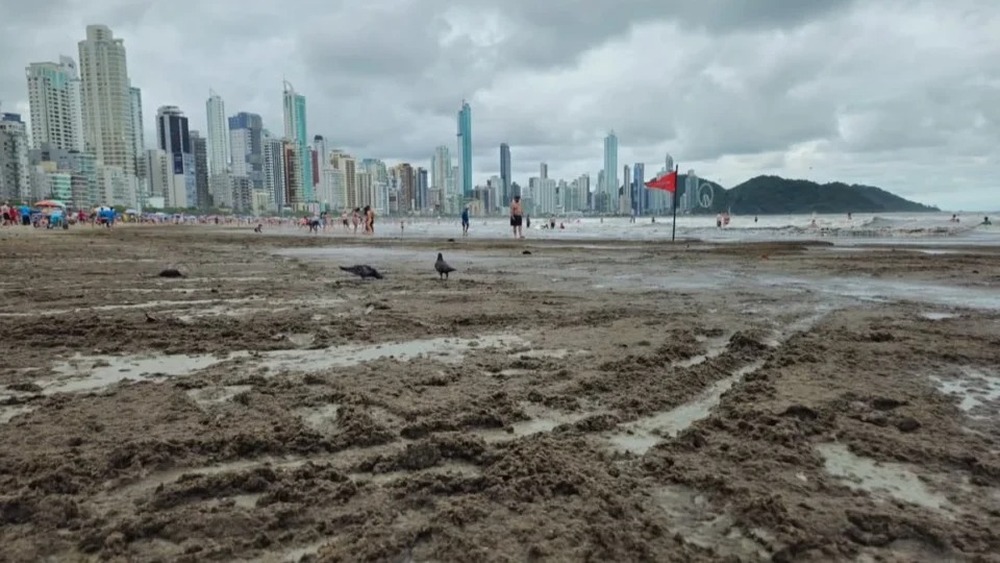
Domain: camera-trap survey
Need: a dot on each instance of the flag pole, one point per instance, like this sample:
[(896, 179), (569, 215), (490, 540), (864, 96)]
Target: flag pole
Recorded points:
[(673, 232)]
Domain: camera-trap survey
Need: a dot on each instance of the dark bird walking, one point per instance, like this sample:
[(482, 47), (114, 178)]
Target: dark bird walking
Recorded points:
[(442, 267), (362, 271)]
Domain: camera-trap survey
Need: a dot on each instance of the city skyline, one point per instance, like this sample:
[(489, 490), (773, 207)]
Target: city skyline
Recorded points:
[(749, 118)]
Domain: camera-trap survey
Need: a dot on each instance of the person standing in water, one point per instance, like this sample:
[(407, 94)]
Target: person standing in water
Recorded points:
[(516, 217), (465, 221)]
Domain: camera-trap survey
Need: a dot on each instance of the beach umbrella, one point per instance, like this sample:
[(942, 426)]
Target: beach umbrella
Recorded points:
[(50, 203)]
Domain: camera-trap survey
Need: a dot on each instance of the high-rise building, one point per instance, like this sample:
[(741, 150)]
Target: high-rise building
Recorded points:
[(321, 162), (218, 134), (246, 141), (54, 101), (440, 168), (138, 136), (107, 102), (625, 192), (243, 198), (274, 171), (15, 173), (319, 146), (159, 177), (640, 199), (199, 145), (348, 188), (174, 138), (295, 131), (405, 185), (293, 196), (609, 185), (380, 183), (465, 150), (505, 190), (543, 171), (423, 200), (690, 199)]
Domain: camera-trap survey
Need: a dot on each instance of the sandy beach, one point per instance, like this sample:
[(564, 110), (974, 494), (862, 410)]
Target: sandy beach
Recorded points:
[(597, 400)]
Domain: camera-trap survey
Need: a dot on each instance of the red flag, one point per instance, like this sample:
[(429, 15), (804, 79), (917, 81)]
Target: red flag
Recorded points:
[(666, 182)]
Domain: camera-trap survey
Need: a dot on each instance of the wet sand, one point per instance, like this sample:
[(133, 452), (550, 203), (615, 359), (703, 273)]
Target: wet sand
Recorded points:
[(603, 401)]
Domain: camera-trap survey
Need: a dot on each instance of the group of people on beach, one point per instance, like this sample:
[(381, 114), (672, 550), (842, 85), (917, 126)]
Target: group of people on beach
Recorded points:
[(364, 218), (54, 217)]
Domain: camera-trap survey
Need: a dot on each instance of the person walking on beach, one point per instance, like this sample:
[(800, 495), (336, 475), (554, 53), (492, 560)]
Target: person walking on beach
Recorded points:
[(465, 221), (516, 217), (369, 220)]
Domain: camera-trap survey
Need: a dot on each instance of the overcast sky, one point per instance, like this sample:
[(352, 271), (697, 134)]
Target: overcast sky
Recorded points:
[(900, 94)]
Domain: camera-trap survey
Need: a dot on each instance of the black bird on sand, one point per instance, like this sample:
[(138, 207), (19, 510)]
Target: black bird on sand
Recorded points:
[(362, 271), (442, 267)]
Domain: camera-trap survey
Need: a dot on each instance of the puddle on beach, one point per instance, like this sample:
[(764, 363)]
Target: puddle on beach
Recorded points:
[(269, 307), (884, 290), (126, 306), (9, 412), (936, 316), (639, 436), (690, 515), (322, 419), (541, 419), (92, 373), (978, 392), (210, 396), (895, 480), (446, 350), (453, 469), (714, 347)]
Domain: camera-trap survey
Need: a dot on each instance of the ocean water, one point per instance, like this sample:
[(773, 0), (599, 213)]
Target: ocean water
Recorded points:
[(895, 228)]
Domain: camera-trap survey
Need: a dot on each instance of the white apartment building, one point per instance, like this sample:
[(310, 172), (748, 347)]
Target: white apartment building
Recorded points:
[(346, 163), (107, 100), (159, 174), (218, 135), (54, 101)]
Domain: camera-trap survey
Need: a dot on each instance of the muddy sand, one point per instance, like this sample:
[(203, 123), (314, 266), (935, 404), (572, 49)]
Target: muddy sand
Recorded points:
[(604, 401)]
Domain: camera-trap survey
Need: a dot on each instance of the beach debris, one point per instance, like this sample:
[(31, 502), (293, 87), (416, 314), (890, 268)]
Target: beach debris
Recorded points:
[(171, 273), (442, 267), (363, 271)]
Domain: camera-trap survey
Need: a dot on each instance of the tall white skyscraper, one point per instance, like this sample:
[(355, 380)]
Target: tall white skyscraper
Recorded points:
[(610, 183), (218, 135), (54, 100), (441, 169), (107, 99)]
